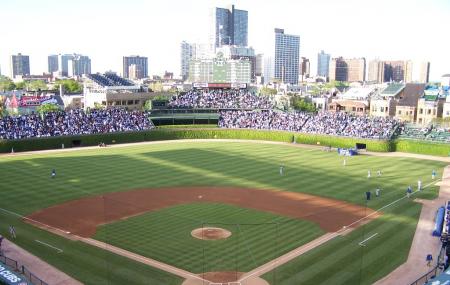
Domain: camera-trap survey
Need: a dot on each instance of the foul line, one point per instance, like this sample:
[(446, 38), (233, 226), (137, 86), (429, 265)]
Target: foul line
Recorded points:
[(372, 236), (51, 246), (386, 206)]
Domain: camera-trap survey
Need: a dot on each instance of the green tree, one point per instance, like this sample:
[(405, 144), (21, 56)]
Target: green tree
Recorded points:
[(266, 91), (6, 84), (22, 85), (69, 85), (148, 105), (99, 106), (300, 104), (36, 85), (47, 108)]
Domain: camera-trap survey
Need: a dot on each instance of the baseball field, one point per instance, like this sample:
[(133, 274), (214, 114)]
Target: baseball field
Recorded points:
[(221, 211)]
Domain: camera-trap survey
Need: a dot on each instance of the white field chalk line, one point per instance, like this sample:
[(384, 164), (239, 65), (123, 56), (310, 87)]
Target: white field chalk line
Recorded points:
[(49, 245), (372, 236), (335, 234), (386, 206), (34, 221)]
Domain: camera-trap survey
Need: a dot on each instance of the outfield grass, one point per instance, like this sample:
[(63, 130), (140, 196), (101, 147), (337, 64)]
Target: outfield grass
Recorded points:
[(26, 187), (257, 237)]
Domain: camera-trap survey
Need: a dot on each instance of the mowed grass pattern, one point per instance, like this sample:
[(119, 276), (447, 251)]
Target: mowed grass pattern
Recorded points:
[(26, 186), (165, 235)]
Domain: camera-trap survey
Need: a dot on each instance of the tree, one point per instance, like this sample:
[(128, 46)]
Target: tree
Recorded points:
[(47, 108), (69, 85), (98, 106), (148, 105), (266, 91), (301, 105), (6, 84), (22, 85), (36, 85)]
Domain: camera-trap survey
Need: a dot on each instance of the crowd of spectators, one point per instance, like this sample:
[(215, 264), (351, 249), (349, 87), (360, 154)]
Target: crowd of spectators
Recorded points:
[(338, 124), (220, 99), (74, 122)]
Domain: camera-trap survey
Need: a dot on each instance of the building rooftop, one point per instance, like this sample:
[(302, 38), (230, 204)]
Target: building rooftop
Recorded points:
[(109, 79), (393, 89), (411, 94)]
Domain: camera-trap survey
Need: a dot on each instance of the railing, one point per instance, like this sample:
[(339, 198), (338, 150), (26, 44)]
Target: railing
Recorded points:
[(14, 265), (437, 269)]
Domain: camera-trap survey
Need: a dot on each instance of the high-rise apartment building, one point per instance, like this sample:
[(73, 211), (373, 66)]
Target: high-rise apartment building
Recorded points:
[(259, 68), (187, 53), (397, 71), (269, 69), (20, 65), (229, 27), (287, 51), (304, 68), (323, 63), (69, 64), (349, 70), (141, 65)]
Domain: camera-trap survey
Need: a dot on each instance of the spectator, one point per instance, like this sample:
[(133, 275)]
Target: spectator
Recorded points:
[(74, 122)]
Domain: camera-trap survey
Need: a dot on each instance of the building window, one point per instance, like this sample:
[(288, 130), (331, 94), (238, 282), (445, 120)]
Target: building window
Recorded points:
[(429, 111), (399, 112), (354, 109), (421, 111), (382, 109), (387, 109), (130, 102), (136, 102)]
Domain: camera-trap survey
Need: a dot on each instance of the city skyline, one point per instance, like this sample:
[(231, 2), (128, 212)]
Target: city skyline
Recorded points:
[(341, 29)]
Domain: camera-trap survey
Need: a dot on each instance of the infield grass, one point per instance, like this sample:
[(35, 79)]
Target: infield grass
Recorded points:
[(26, 187)]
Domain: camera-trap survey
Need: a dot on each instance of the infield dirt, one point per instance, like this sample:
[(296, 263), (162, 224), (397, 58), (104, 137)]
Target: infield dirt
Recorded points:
[(81, 217)]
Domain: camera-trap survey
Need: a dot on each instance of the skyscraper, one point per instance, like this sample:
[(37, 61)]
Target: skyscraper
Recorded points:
[(287, 50), (259, 68), (229, 27), (304, 68), (349, 70), (186, 56), (323, 63), (69, 64), (140, 62), (81, 64), (268, 69), (395, 70), (20, 65)]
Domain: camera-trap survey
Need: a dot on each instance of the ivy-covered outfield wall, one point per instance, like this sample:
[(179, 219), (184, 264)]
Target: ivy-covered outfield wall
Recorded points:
[(421, 147)]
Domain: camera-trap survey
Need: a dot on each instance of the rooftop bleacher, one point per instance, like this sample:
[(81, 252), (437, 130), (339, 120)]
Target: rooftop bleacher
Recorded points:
[(109, 79), (393, 89)]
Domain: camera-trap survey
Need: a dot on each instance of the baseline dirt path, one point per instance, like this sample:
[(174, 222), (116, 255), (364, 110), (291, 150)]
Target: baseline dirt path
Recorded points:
[(423, 243), (81, 217)]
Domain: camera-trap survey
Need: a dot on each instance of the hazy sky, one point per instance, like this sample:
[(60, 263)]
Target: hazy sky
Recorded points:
[(106, 30)]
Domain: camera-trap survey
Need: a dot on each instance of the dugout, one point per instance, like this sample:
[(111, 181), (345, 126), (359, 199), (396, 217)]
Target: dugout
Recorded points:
[(361, 146)]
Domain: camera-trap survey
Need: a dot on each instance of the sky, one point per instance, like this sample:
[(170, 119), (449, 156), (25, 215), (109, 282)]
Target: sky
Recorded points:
[(106, 30)]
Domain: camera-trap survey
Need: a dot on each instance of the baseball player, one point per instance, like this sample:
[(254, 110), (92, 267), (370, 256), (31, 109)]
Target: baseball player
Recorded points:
[(377, 192), (53, 175), (379, 173), (408, 191), (281, 170), (12, 231), (433, 174), (368, 174), (419, 185)]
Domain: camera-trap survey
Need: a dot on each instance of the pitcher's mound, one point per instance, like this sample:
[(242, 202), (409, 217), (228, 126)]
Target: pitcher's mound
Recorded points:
[(210, 233)]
